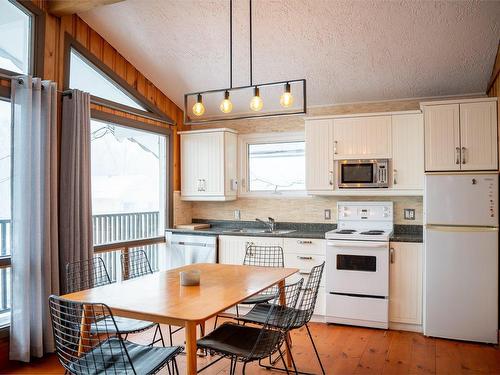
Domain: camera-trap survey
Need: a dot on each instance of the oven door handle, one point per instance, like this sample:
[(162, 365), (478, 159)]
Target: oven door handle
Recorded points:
[(354, 244)]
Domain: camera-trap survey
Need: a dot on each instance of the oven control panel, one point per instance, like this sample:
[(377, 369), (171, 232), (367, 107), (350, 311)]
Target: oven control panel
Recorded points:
[(365, 211)]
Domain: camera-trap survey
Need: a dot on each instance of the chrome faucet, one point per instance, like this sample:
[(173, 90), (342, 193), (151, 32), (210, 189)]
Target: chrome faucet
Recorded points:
[(271, 224)]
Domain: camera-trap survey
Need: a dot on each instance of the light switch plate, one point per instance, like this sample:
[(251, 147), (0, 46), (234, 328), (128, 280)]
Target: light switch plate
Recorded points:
[(409, 213), (328, 214), (237, 215)]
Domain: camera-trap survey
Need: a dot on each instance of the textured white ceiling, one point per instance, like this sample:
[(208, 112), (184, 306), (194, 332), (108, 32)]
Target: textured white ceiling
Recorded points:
[(348, 51)]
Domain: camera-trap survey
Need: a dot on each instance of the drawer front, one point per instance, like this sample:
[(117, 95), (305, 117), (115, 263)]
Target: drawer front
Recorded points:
[(304, 263), (305, 246)]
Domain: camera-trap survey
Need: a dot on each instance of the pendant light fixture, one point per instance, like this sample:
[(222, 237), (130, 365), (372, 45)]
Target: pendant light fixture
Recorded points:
[(286, 99), (226, 106), (256, 101), (198, 108)]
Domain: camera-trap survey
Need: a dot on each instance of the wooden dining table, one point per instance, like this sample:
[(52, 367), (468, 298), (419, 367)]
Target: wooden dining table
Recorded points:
[(160, 298)]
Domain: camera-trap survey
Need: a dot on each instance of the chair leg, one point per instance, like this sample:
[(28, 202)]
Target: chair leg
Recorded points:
[(244, 367), (170, 334), (176, 368), (291, 356), (168, 368), (315, 350), (283, 360), (215, 324), (237, 312)]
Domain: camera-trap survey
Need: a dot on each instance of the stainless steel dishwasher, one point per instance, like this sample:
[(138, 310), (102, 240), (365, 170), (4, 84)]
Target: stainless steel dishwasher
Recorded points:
[(185, 249)]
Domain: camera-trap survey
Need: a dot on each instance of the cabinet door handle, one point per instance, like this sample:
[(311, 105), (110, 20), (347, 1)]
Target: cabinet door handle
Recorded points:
[(330, 173), (457, 149), (304, 258), (392, 255), (305, 274), (335, 144), (395, 175), (463, 155), (304, 242)]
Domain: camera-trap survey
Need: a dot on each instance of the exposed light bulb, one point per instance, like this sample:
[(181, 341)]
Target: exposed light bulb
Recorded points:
[(226, 106), (198, 107), (256, 103), (286, 99)]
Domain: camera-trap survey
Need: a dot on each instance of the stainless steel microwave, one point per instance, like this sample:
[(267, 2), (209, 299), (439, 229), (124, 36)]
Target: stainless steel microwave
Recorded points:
[(372, 173)]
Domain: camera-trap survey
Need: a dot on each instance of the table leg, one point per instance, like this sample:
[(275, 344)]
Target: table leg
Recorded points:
[(85, 323), (287, 338), (191, 348)]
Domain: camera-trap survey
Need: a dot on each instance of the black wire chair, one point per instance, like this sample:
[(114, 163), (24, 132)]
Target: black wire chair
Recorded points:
[(84, 351), (92, 273), (262, 256), (135, 263), (304, 313), (246, 343)]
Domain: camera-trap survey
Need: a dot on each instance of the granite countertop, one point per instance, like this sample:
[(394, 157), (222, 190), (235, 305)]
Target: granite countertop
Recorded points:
[(402, 233)]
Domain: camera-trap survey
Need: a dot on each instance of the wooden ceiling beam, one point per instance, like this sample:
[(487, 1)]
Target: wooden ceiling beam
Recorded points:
[(67, 7)]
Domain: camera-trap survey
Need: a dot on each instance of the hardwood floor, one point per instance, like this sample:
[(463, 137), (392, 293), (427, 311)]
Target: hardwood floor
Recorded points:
[(347, 350)]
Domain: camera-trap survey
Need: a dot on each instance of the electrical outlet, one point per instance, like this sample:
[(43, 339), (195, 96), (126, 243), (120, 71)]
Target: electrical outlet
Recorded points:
[(409, 213), (237, 215), (328, 214)]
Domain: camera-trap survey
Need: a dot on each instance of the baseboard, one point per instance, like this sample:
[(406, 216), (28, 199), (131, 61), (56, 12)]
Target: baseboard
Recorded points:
[(406, 327)]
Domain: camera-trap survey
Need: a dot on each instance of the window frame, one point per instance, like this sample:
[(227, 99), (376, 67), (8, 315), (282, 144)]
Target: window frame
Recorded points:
[(243, 170), (36, 48), (153, 113), (168, 213)]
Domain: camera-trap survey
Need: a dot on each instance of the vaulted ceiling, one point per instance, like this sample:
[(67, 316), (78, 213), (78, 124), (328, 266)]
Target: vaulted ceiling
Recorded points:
[(349, 51)]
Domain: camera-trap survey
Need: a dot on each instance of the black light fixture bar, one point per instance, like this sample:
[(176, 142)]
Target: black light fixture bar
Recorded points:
[(193, 121)]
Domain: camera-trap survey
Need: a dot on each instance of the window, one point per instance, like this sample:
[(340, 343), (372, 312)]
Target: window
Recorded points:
[(15, 38), (87, 77), (5, 208), (273, 163), (129, 182)]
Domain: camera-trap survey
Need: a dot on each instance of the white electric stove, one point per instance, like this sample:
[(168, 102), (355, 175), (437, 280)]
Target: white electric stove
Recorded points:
[(357, 262)]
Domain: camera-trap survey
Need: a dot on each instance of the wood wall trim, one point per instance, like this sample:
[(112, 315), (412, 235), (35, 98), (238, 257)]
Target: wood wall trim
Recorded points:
[(65, 7), (129, 122), (496, 70)]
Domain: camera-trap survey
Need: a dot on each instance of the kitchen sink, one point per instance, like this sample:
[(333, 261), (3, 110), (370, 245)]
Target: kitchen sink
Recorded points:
[(258, 230)]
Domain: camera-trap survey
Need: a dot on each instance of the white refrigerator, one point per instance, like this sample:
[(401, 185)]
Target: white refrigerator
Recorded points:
[(461, 256)]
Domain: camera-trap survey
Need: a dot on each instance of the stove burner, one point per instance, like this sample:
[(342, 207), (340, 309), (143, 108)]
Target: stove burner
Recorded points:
[(373, 232), (345, 231)]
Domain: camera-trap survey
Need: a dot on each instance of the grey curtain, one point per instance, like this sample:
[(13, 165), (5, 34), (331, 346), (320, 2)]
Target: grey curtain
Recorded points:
[(75, 204), (35, 267)]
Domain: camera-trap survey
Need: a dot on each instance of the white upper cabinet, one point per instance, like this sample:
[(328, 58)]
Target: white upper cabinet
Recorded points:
[(478, 134), (319, 155), (208, 164), (442, 137), (362, 137), (460, 135), (408, 151)]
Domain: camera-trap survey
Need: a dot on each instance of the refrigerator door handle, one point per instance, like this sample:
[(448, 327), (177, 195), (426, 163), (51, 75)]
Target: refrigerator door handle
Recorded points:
[(463, 228)]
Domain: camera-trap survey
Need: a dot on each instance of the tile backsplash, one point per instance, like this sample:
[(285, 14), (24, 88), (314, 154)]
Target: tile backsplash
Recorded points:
[(290, 209)]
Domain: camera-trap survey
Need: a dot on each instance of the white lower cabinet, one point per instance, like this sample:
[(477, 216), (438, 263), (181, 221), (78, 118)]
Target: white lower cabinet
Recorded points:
[(301, 253), (232, 248), (405, 285)]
